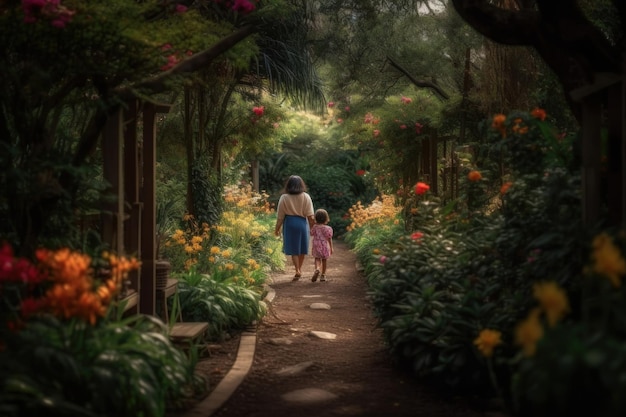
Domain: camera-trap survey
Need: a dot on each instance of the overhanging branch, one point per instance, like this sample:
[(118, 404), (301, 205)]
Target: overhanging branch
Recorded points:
[(422, 84)]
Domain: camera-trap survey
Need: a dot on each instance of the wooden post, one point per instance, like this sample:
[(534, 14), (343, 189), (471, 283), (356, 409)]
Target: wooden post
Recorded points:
[(615, 168), (591, 154), (147, 281), (132, 233), (113, 213), (147, 297)]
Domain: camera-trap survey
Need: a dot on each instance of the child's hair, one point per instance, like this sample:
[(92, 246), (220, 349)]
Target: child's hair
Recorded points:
[(321, 216)]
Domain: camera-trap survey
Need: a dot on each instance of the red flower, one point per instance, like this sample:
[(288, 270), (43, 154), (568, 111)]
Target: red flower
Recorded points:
[(331, 104), (417, 235), (421, 188), (538, 113), (418, 128), (347, 108), (505, 187), (403, 126), (360, 172), (258, 111)]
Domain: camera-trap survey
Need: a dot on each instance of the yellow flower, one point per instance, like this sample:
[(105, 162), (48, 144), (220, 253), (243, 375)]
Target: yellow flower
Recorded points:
[(487, 340), (196, 239), (608, 260), (188, 248), (226, 254), (215, 250), (376, 251), (230, 266), (269, 251), (529, 332), (212, 259), (553, 301)]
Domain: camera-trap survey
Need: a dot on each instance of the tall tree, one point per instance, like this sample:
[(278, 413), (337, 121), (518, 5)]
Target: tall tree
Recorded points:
[(576, 48)]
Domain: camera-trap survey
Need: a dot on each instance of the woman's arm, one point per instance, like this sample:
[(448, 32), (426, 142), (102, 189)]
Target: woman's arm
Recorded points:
[(279, 223)]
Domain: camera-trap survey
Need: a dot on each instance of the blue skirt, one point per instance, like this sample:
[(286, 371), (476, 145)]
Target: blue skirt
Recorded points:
[(296, 235)]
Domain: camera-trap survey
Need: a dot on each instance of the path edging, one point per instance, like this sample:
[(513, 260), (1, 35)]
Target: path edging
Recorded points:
[(237, 373)]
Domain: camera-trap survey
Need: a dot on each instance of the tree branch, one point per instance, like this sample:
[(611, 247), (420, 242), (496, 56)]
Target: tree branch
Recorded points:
[(158, 83), (422, 84)]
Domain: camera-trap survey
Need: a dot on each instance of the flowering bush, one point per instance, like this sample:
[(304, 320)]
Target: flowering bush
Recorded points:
[(504, 302), (222, 269), (60, 352)]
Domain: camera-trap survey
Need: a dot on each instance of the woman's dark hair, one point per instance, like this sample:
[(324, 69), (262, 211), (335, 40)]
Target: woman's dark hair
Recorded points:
[(295, 185)]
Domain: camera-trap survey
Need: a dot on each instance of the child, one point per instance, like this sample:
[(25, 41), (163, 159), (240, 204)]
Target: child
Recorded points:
[(322, 243)]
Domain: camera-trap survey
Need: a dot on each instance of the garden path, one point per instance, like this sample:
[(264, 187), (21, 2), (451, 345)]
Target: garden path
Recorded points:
[(295, 373)]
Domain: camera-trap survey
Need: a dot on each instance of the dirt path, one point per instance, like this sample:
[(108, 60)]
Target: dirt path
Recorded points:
[(295, 373)]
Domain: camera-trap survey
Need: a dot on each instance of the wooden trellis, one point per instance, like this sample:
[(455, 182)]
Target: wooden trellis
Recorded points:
[(129, 223)]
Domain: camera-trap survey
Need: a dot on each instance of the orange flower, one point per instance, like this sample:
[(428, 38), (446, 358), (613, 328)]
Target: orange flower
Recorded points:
[(538, 113), (487, 340), (474, 176), (505, 187), (498, 124)]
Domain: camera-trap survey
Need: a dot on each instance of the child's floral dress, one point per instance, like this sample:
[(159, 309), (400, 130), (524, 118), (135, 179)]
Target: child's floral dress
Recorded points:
[(321, 233)]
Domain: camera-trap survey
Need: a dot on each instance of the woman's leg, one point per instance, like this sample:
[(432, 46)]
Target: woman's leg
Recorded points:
[(297, 263)]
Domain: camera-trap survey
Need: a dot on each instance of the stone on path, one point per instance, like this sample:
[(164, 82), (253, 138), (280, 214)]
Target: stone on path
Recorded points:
[(323, 335), (295, 369), (320, 306), (280, 341), (308, 395)]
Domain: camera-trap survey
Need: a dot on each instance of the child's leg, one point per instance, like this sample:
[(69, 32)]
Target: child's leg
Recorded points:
[(323, 277), (317, 269)]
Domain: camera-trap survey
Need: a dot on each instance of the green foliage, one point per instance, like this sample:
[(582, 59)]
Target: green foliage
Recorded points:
[(225, 306), (206, 193), (122, 368), (462, 271)]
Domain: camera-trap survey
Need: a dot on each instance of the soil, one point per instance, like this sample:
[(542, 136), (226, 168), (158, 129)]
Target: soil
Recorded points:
[(355, 366)]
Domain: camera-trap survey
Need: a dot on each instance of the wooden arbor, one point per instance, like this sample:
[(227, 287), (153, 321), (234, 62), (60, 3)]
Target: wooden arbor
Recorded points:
[(129, 222)]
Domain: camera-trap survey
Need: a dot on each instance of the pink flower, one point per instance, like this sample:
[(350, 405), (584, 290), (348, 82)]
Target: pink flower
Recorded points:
[(258, 111), (402, 126), (181, 8), (376, 132), (368, 118), (418, 128), (347, 108), (382, 259), (421, 188), (339, 120), (275, 125), (405, 100), (243, 6), (331, 104), (172, 60)]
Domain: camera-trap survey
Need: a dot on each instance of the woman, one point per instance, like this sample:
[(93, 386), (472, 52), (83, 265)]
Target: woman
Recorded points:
[(296, 216)]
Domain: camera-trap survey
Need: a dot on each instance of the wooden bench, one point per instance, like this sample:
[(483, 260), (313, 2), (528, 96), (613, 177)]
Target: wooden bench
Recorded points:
[(181, 333)]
